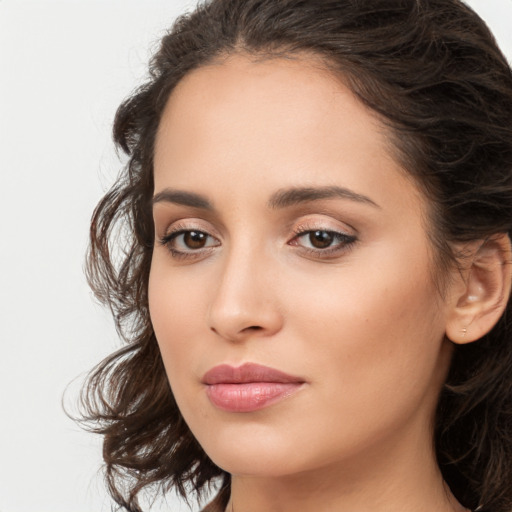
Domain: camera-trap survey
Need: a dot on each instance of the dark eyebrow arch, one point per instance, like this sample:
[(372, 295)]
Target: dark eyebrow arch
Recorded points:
[(182, 198), (296, 195)]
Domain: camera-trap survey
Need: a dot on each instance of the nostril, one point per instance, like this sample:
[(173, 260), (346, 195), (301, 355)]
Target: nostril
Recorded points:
[(250, 328), (253, 328)]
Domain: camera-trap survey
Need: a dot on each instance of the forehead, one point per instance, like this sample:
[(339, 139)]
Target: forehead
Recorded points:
[(304, 89), (277, 122)]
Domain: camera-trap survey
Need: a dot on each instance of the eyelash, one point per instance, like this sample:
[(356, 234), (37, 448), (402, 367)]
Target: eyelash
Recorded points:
[(343, 242)]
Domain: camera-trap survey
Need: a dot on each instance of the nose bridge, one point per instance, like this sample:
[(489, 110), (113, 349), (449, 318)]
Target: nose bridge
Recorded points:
[(244, 302)]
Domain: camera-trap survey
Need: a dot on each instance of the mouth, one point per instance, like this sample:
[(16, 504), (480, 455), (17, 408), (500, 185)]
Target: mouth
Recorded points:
[(249, 387)]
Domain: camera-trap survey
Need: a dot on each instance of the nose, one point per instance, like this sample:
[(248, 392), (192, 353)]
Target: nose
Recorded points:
[(245, 302)]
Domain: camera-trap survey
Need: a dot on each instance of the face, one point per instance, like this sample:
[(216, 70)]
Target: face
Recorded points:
[(291, 283)]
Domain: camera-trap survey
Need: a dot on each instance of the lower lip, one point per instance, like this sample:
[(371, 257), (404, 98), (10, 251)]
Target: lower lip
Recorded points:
[(250, 396)]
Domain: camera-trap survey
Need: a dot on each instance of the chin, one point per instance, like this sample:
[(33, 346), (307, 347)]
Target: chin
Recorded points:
[(256, 462), (252, 450)]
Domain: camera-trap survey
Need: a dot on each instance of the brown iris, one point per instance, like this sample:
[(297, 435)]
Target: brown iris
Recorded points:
[(195, 239), (321, 239)]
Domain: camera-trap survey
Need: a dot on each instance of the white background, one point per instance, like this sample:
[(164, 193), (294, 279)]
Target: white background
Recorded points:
[(64, 68)]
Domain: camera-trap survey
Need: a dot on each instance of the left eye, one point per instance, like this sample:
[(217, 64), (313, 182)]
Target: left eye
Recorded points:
[(321, 239), (189, 240)]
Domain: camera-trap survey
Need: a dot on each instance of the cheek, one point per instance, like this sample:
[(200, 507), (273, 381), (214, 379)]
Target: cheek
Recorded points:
[(175, 314), (371, 332), (384, 289)]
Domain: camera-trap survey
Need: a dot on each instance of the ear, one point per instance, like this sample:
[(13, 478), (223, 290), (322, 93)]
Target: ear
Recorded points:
[(480, 296)]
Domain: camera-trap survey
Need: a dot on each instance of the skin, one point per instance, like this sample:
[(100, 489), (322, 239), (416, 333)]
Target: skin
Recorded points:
[(361, 321)]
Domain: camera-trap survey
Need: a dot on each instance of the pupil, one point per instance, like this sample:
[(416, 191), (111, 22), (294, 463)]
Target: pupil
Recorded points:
[(195, 239), (321, 239)]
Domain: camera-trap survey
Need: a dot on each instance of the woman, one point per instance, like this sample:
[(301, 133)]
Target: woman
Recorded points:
[(315, 279)]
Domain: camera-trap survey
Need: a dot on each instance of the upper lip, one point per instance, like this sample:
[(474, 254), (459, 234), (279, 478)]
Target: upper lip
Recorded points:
[(248, 372)]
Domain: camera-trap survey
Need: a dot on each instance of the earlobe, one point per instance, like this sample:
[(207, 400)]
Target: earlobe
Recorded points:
[(487, 280)]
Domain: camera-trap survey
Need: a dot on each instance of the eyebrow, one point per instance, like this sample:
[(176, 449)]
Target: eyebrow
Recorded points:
[(296, 195), (281, 199), (182, 198)]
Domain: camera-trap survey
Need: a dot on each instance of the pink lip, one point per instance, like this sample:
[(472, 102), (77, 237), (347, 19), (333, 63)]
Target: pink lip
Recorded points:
[(249, 387)]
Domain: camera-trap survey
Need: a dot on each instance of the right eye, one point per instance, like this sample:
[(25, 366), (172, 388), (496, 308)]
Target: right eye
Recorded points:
[(185, 243)]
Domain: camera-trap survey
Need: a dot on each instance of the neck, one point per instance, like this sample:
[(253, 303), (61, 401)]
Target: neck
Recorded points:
[(403, 478)]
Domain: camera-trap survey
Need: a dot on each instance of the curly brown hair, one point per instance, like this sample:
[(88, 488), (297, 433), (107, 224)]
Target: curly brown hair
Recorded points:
[(433, 72)]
